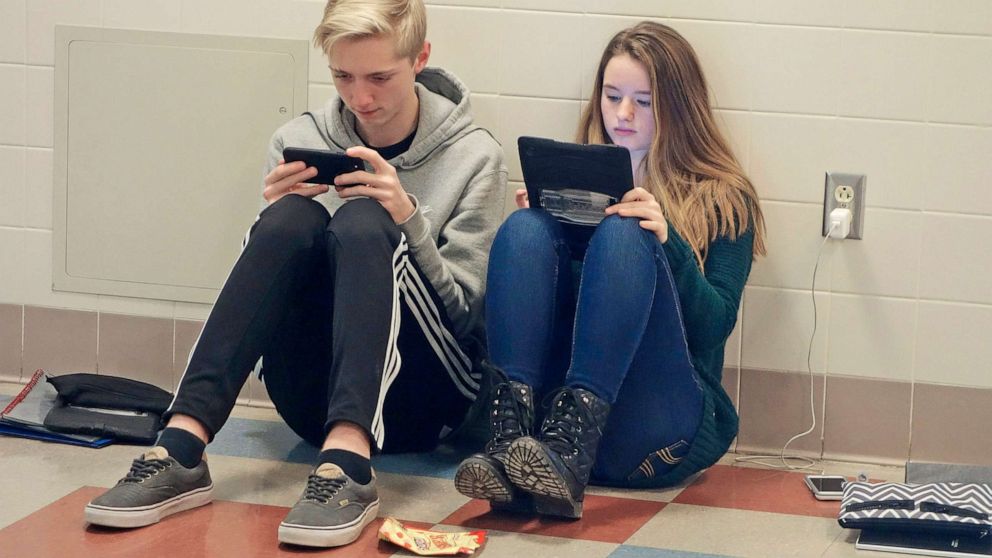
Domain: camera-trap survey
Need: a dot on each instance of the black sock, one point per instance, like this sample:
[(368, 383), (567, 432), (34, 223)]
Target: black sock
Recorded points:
[(184, 447), (355, 466)]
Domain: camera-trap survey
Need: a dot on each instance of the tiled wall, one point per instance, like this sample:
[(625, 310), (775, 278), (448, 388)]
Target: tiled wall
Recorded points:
[(901, 91)]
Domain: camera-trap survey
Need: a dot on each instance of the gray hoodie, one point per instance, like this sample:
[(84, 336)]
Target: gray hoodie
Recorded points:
[(454, 171)]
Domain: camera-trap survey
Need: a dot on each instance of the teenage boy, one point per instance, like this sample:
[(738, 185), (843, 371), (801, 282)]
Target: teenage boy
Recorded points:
[(364, 299)]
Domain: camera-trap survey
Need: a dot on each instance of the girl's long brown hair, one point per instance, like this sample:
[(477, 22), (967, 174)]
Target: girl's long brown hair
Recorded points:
[(690, 168)]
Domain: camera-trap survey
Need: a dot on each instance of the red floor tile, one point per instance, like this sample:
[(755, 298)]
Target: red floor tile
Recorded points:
[(219, 530), (765, 490), (605, 519)]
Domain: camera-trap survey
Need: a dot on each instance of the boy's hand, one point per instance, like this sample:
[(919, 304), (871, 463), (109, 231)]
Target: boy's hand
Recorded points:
[(641, 204), (382, 185), (520, 196), (291, 179)]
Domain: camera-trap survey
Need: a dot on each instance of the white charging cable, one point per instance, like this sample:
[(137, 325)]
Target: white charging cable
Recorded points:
[(840, 221)]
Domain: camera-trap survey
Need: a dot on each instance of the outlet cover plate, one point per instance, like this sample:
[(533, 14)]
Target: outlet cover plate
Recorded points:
[(837, 192)]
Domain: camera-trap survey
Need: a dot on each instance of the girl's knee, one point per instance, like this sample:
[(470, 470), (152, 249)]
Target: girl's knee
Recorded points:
[(529, 225)]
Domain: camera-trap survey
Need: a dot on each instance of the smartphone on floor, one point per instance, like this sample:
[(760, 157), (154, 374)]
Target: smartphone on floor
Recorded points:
[(826, 487)]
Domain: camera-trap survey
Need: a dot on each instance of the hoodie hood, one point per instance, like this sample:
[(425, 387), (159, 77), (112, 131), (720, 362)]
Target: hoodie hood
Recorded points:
[(445, 116)]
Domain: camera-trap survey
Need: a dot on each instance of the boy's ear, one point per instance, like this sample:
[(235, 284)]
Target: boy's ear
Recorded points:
[(420, 62)]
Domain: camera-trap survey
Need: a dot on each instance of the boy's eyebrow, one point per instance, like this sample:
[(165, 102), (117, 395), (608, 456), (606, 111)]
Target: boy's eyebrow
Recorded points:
[(380, 73), (608, 86)]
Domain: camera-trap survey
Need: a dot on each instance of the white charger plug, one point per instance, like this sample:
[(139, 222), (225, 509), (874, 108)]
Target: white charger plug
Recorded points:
[(840, 223)]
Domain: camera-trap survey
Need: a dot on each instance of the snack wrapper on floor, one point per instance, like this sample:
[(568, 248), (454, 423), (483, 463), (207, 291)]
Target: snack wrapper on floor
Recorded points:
[(431, 543)]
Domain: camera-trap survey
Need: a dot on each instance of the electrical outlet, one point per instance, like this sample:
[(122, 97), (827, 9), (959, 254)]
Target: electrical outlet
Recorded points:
[(845, 190)]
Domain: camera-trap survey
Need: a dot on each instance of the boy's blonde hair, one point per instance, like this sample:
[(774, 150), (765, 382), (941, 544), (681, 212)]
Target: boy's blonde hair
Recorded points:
[(404, 20)]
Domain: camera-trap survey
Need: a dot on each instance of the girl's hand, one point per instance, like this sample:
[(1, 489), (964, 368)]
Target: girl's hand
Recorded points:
[(291, 179), (641, 204), (521, 198), (382, 185)]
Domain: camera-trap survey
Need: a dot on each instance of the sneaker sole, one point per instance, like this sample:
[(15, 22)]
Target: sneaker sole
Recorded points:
[(531, 469), (126, 518), (324, 537)]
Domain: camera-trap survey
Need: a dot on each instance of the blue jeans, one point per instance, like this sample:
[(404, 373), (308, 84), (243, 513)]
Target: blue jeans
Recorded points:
[(621, 336)]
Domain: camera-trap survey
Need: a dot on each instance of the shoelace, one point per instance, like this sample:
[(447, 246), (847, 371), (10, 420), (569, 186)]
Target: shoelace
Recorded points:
[(142, 469), (508, 416), (321, 489), (564, 425)]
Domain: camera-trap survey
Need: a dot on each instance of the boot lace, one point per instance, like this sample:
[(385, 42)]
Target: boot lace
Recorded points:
[(509, 415), (563, 427), (142, 469), (322, 489)]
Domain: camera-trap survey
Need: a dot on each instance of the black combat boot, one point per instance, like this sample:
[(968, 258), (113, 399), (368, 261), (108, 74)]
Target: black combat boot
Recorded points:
[(555, 467), (483, 475)]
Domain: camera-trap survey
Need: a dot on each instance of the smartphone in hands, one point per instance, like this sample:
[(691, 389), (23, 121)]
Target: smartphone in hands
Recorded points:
[(826, 487), (328, 164)]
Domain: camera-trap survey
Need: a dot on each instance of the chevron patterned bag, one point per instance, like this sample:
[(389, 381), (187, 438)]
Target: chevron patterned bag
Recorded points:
[(958, 508)]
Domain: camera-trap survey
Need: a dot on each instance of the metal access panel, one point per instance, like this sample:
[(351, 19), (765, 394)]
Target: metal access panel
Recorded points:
[(160, 140)]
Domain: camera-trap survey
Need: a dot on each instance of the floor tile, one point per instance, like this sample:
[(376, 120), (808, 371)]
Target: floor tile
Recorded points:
[(218, 530), (626, 551), (756, 489), (605, 519), (732, 532), (502, 544)]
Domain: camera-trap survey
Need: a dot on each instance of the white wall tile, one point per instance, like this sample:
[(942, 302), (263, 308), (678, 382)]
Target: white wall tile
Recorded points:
[(882, 75), (293, 19), (777, 329), (451, 30), (736, 128), (40, 107), (318, 94), (719, 10), (12, 30), (796, 69), (790, 154), (485, 112), (726, 55), (43, 15), (597, 30), (480, 3), (192, 311), (232, 17), (155, 15), (829, 13), (12, 101), (962, 16), (26, 258), (38, 188), (894, 155), (871, 337), (903, 15), (136, 306), (548, 118), (572, 6), (12, 186), (956, 261), (793, 243), (886, 261), (960, 80), (953, 345), (538, 55), (318, 71), (958, 169)]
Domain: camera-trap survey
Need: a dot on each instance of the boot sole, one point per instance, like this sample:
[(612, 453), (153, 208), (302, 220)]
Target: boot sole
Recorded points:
[(127, 518), (477, 478), (531, 469), (328, 536)]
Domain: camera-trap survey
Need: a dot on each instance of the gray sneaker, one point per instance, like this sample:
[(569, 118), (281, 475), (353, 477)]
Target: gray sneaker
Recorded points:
[(156, 486), (333, 510)]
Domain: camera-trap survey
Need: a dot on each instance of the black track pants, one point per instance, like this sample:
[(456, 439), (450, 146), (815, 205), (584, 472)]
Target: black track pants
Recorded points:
[(348, 327)]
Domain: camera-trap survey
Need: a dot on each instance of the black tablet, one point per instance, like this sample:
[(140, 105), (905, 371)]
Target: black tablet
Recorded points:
[(574, 182)]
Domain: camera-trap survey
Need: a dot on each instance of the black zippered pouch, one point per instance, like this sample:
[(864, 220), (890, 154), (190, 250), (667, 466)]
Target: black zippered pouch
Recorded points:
[(111, 392)]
